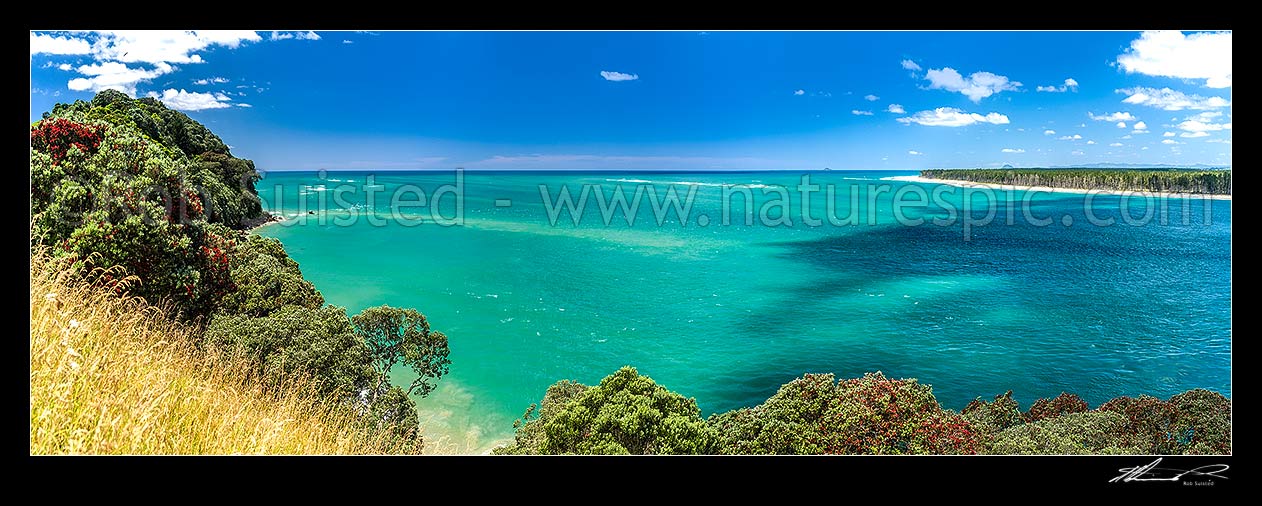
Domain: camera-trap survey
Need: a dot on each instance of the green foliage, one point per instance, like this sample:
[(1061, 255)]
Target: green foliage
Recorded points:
[(625, 413), (868, 415), (131, 183), (1095, 432), (994, 416), (122, 182), (395, 412), (815, 415), (1196, 421), (319, 342), (396, 335), (266, 279), (1185, 181), (530, 435), (1206, 416), (1063, 404), (1150, 423)]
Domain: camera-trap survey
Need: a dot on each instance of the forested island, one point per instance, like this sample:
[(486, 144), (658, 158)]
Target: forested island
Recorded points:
[(159, 324), (1213, 182)]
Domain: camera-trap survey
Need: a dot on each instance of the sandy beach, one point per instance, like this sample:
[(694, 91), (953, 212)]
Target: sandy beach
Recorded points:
[(1008, 187)]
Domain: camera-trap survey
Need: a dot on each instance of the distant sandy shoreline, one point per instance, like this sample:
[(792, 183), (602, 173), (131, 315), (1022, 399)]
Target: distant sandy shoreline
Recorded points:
[(263, 221), (1008, 187)]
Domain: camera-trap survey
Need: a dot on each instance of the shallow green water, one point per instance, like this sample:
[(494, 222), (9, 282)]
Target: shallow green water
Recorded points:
[(727, 313)]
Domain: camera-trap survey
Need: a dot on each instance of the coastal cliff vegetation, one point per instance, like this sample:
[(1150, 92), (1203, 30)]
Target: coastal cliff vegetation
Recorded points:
[(156, 204), (816, 414)]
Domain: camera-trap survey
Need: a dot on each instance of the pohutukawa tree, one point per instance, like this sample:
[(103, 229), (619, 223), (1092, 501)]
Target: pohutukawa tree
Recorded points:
[(402, 336)]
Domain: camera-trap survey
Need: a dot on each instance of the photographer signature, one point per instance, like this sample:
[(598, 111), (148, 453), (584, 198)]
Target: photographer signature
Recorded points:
[(1151, 472)]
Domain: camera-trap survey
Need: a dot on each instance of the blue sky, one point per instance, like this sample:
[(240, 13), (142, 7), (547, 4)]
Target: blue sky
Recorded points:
[(670, 100)]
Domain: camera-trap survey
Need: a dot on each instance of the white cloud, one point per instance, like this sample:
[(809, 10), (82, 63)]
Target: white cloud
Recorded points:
[(191, 101), (1168, 134), (952, 117), (141, 46), (114, 76), (910, 65), (1090, 143), (914, 152), (1073, 137), (295, 35), (217, 80), (1121, 124), (1069, 85), (1171, 100), (799, 92), (857, 112), (1169, 141), (1011, 150), (1193, 135), (896, 109), (164, 46), (1201, 126), (1116, 145), (244, 105), (1077, 152), (1049, 132), (125, 58), (977, 86), (50, 44), (345, 41), (1223, 141), (871, 98), (1117, 116), (618, 76), (1203, 55), (1141, 126)]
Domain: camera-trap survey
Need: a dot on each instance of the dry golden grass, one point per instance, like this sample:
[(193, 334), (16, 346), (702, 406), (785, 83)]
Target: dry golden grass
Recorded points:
[(114, 375)]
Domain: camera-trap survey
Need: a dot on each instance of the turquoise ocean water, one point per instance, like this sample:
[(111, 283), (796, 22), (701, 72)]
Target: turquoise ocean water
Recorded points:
[(728, 313)]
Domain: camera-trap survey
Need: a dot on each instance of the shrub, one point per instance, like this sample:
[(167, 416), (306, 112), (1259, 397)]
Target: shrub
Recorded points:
[(994, 416), (319, 342), (1062, 404), (868, 415), (266, 279), (1150, 424), (1095, 432), (627, 413), (1206, 417)]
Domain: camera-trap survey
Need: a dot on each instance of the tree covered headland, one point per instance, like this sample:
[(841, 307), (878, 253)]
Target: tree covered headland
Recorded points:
[(1156, 180), (128, 183), (874, 415)]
